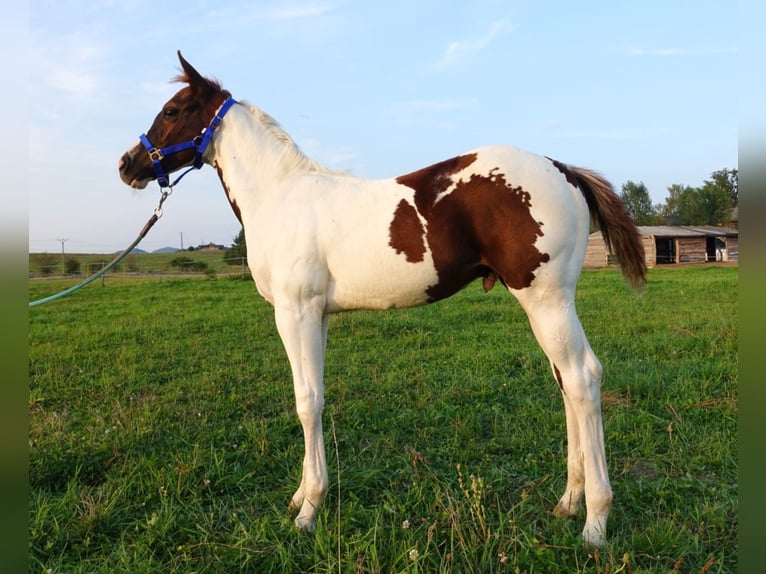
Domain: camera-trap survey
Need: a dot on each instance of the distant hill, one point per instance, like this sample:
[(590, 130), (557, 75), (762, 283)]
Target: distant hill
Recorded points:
[(134, 250), (166, 250)]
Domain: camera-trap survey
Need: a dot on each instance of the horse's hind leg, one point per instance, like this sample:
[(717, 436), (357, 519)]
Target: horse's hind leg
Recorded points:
[(577, 371)]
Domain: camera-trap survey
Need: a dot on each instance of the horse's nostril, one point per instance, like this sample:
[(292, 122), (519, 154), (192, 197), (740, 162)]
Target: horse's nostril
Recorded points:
[(124, 162)]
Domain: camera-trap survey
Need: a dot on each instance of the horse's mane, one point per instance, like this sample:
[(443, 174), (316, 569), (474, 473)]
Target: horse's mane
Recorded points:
[(292, 154), (183, 78)]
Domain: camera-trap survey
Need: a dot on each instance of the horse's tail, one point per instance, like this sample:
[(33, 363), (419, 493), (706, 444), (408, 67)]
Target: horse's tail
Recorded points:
[(618, 229)]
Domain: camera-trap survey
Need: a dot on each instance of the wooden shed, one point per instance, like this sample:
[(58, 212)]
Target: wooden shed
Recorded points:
[(665, 244)]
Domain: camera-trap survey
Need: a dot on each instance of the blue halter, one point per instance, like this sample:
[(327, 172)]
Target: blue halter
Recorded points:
[(199, 144)]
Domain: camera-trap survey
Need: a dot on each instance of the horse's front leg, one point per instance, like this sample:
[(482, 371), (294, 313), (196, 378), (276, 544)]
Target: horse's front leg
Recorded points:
[(303, 329)]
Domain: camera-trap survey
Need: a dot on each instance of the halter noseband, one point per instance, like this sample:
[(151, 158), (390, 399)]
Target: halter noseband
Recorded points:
[(199, 144)]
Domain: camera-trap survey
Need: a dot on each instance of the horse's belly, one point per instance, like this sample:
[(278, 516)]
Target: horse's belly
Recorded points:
[(381, 283)]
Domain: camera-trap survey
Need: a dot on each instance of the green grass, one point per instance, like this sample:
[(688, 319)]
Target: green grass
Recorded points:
[(163, 436)]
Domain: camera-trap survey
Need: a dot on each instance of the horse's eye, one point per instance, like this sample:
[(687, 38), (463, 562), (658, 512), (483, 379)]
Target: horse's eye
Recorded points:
[(170, 112)]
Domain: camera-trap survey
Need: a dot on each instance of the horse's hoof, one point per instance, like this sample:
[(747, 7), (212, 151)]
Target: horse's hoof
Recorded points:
[(304, 524), (563, 511), (593, 538)]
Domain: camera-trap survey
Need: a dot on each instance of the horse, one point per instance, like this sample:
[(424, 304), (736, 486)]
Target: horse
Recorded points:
[(322, 241)]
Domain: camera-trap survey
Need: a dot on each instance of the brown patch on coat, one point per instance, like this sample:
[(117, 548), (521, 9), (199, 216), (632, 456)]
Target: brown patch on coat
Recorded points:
[(433, 180), (482, 228), (232, 201), (407, 233)]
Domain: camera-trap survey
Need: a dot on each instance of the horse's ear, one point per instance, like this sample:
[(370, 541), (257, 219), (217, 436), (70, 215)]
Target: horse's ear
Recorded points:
[(196, 81)]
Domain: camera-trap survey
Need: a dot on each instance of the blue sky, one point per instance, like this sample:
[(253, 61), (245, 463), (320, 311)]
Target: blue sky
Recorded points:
[(642, 91)]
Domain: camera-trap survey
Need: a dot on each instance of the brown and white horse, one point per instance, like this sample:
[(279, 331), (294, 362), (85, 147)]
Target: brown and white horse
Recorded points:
[(322, 242)]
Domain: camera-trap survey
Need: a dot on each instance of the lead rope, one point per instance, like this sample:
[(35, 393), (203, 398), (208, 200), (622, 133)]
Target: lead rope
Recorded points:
[(152, 220)]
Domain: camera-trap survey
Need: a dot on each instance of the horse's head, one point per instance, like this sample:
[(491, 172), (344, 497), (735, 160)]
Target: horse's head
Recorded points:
[(173, 140)]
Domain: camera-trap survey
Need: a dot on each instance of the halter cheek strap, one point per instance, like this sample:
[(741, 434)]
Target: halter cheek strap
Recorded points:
[(199, 144)]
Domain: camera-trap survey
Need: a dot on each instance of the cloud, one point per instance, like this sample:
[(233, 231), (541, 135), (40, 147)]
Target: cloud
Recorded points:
[(71, 67), (275, 13), (619, 134), (298, 11), (460, 50), (664, 52), (433, 106), (329, 156), (431, 113)]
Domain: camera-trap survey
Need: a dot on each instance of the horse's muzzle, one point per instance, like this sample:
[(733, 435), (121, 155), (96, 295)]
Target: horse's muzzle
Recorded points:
[(128, 171)]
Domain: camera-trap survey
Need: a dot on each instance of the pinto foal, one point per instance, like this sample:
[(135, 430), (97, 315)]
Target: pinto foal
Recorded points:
[(322, 242)]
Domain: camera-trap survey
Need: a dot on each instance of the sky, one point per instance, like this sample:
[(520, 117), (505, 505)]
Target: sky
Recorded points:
[(641, 91)]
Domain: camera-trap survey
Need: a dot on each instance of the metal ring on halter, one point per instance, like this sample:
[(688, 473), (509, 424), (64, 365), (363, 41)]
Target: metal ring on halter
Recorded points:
[(163, 197)]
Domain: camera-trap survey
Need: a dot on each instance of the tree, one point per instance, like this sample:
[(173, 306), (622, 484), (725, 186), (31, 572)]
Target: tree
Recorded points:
[(185, 263), (710, 204), (635, 198), (714, 207), (238, 251), (677, 206), (706, 205), (726, 180), (72, 266), (46, 262)]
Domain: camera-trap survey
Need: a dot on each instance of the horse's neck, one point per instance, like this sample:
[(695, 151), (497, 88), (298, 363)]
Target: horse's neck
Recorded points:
[(254, 155)]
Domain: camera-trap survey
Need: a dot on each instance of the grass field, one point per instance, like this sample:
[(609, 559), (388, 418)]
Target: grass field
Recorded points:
[(163, 436), (197, 262)]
